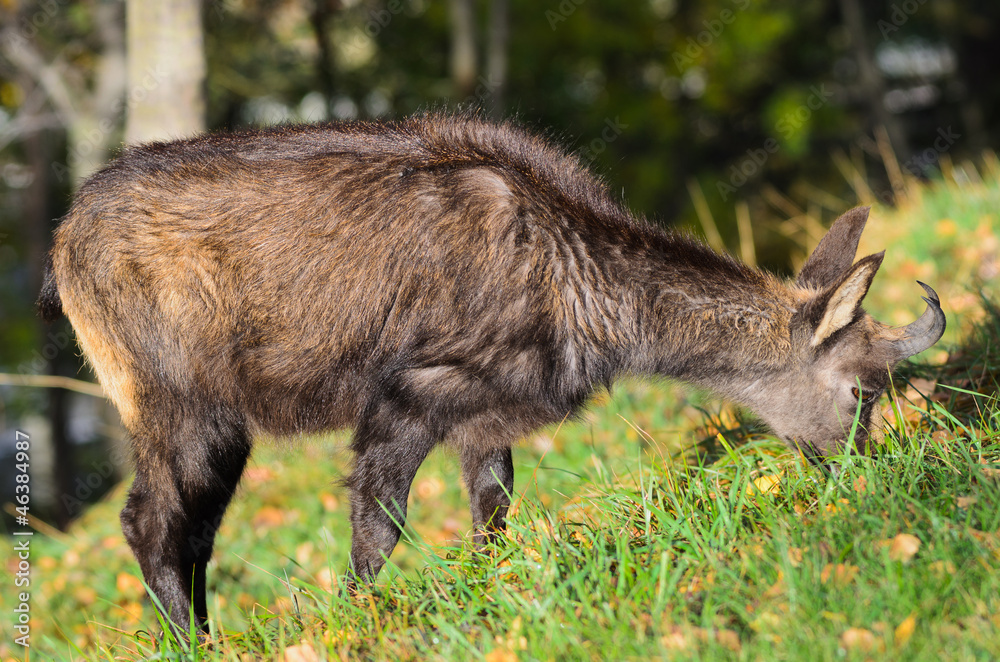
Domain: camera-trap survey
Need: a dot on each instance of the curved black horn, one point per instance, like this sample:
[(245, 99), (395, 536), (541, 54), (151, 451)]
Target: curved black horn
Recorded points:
[(926, 331)]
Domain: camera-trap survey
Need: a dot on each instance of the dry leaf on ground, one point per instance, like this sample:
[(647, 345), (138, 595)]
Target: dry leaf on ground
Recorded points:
[(841, 574), (767, 484), (858, 639), (903, 547), (302, 653), (268, 517), (501, 655), (729, 639), (129, 586), (905, 630), (795, 556)]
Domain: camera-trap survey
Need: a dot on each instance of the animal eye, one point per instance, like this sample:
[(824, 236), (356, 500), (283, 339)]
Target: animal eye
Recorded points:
[(864, 396)]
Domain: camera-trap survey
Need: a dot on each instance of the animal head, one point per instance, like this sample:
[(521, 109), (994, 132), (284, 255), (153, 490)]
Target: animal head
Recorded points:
[(841, 357)]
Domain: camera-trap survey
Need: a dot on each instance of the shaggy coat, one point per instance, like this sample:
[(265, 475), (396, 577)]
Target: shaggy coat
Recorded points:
[(432, 280)]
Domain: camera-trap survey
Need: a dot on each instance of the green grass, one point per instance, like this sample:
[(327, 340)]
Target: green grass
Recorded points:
[(752, 555), (660, 526), (946, 234)]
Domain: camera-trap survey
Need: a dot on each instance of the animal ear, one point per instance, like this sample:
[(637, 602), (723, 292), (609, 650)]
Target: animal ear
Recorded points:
[(834, 255), (843, 301)]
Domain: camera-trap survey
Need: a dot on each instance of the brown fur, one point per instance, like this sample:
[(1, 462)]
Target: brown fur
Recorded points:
[(436, 279)]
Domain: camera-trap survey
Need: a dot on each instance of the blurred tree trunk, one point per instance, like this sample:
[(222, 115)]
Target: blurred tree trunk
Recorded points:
[(84, 99), (166, 70), (872, 83), (977, 51), (37, 214), (98, 120), (463, 48), (496, 55)]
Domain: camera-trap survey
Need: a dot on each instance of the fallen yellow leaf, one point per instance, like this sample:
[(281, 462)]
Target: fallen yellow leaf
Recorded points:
[(428, 488), (303, 552), (834, 507), (257, 474), (903, 547), (131, 612), (942, 568), (329, 501), (342, 636), (766, 622), (858, 639), (267, 517), (905, 630), (767, 484), (988, 471), (729, 640), (501, 655), (86, 595), (777, 589), (326, 579), (841, 574), (946, 228), (129, 586), (674, 640), (302, 653), (860, 484), (966, 501)]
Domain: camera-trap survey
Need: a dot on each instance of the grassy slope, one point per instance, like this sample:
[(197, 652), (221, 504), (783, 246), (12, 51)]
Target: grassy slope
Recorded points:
[(617, 550)]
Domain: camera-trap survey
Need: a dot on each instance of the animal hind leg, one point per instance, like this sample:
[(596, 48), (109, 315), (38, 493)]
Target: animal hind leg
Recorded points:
[(185, 478), (489, 475)]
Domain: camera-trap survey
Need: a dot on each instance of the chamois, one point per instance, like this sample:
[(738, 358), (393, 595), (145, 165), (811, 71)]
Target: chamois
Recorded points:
[(435, 279)]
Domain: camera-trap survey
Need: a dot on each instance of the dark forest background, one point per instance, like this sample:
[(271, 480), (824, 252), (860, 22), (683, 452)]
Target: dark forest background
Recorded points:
[(727, 117)]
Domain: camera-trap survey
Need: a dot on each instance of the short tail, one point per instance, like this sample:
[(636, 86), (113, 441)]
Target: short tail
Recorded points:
[(49, 303)]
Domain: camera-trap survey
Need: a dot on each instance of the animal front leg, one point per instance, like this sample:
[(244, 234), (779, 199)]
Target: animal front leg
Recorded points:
[(489, 475)]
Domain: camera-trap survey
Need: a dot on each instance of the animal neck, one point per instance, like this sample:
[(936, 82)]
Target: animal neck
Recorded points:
[(712, 321)]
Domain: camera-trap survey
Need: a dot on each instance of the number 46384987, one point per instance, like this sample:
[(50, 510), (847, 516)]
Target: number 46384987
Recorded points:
[(22, 443)]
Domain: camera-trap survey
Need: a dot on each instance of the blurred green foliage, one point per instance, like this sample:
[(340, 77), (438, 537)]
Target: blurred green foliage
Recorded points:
[(738, 96)]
